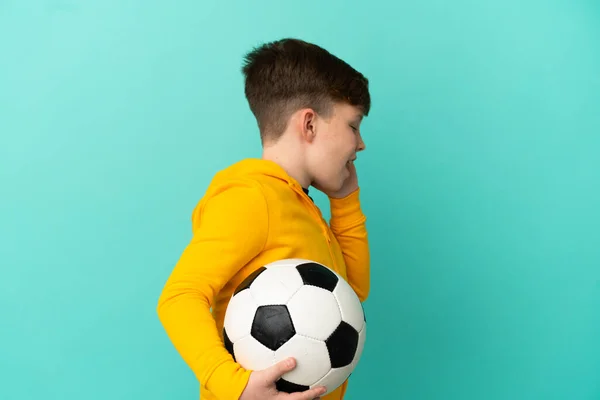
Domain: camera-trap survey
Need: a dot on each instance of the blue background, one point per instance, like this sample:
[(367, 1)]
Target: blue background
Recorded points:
[(481, 182)]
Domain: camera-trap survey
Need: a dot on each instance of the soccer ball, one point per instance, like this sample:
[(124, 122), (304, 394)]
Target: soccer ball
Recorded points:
[(296, 308)]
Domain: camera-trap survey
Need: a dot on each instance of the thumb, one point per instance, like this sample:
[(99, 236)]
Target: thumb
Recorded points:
[(274, 372)]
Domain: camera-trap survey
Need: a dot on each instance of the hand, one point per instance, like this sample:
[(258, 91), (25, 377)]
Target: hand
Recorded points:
[(349, 186), (261, 385)]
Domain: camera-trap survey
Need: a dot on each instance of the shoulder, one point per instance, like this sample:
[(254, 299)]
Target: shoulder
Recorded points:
[(248, 186), (236, 193)]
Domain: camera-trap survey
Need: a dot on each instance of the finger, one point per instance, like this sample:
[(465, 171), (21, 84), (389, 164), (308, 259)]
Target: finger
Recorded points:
[(311, 394), (276, 371)]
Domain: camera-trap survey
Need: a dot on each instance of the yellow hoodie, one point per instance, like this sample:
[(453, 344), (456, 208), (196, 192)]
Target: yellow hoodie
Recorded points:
[(253, 213)]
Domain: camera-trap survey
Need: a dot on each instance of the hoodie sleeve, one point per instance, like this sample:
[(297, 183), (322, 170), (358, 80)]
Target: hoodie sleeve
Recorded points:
[(230, 228), (348, 224)]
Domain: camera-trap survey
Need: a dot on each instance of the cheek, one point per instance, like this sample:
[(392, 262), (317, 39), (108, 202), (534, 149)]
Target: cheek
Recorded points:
[(330, 158), (324, 163)]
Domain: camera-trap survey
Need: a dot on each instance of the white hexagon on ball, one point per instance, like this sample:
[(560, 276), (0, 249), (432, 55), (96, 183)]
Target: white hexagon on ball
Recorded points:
[(276, 287), (311, 304)]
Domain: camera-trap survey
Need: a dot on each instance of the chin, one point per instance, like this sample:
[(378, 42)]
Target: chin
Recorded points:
[(332, 183), (337, 187), (328, 187)]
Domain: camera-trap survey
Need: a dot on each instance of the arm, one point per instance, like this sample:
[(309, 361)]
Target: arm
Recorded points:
[(230, 228), (348, 224)]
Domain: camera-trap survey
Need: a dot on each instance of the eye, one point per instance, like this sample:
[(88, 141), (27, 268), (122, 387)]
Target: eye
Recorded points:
[(354, 128)]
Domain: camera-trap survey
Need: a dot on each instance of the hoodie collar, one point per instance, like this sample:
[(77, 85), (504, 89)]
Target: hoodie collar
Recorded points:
[(250, 166)]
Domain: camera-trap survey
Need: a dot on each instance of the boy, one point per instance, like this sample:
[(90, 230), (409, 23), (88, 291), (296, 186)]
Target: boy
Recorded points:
[(309, 105)]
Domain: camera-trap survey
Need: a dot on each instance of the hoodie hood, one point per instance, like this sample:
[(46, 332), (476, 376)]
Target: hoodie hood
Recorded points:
[(250, 169), (253, 168)]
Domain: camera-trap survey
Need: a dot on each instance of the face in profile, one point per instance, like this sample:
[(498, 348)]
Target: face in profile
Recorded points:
[(335, 146)]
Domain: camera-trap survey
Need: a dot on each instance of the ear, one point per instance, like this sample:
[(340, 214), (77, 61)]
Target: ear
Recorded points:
[(308, 125)]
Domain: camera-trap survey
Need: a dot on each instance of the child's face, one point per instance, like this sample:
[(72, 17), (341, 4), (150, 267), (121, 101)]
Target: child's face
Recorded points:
[(335, 145)]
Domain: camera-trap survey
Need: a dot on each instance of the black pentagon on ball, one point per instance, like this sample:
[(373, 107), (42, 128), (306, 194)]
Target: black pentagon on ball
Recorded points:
[(245, 284), (272, 326), (317, 275), (342, 345), (289, 387)]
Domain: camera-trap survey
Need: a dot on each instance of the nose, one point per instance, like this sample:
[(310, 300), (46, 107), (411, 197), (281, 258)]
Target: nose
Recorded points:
[(361, 144)]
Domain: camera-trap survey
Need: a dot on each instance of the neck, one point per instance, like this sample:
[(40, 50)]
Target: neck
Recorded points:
[(288, 157)]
